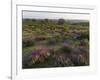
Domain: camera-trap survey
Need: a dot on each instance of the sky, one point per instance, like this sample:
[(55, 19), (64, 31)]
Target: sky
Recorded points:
[(52, 15)]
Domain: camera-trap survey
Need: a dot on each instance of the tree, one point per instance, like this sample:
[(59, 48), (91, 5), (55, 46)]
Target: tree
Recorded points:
[(61, 21), (46, 20)]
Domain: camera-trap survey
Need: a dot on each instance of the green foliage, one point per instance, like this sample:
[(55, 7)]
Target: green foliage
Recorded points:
[(51, 41), (84, 35), (61, 21), (65, 49), (28, 42), (59, 39)]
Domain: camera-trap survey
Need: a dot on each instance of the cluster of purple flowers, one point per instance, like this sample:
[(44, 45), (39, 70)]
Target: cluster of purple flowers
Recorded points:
[(35, 53)]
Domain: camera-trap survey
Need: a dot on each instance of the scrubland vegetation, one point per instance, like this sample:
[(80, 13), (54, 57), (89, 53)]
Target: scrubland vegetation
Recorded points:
[(54, 43)]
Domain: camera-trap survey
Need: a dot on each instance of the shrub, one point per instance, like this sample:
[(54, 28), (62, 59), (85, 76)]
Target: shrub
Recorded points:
[(33, 20), (51, 41), (57, 37), (84, 35), (79, 60), (61, 21), (28, 42), (46, 20), (39, 38), (66, 49)]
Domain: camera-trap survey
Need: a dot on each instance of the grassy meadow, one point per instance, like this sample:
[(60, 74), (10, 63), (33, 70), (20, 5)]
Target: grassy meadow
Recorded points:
[(54, 43)]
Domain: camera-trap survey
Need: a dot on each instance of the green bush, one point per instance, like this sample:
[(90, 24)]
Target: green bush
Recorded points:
[(61, 21), (51, 41), (28, 42), (84, 35), (65, 49)]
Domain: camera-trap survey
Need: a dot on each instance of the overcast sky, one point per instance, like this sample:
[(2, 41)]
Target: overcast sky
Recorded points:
[(49, 15)]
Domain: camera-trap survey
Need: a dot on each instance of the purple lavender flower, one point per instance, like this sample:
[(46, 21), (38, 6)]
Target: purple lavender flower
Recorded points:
[(35, 53)]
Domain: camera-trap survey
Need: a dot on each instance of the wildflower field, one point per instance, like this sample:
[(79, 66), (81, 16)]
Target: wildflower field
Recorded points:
[(54, 43)]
